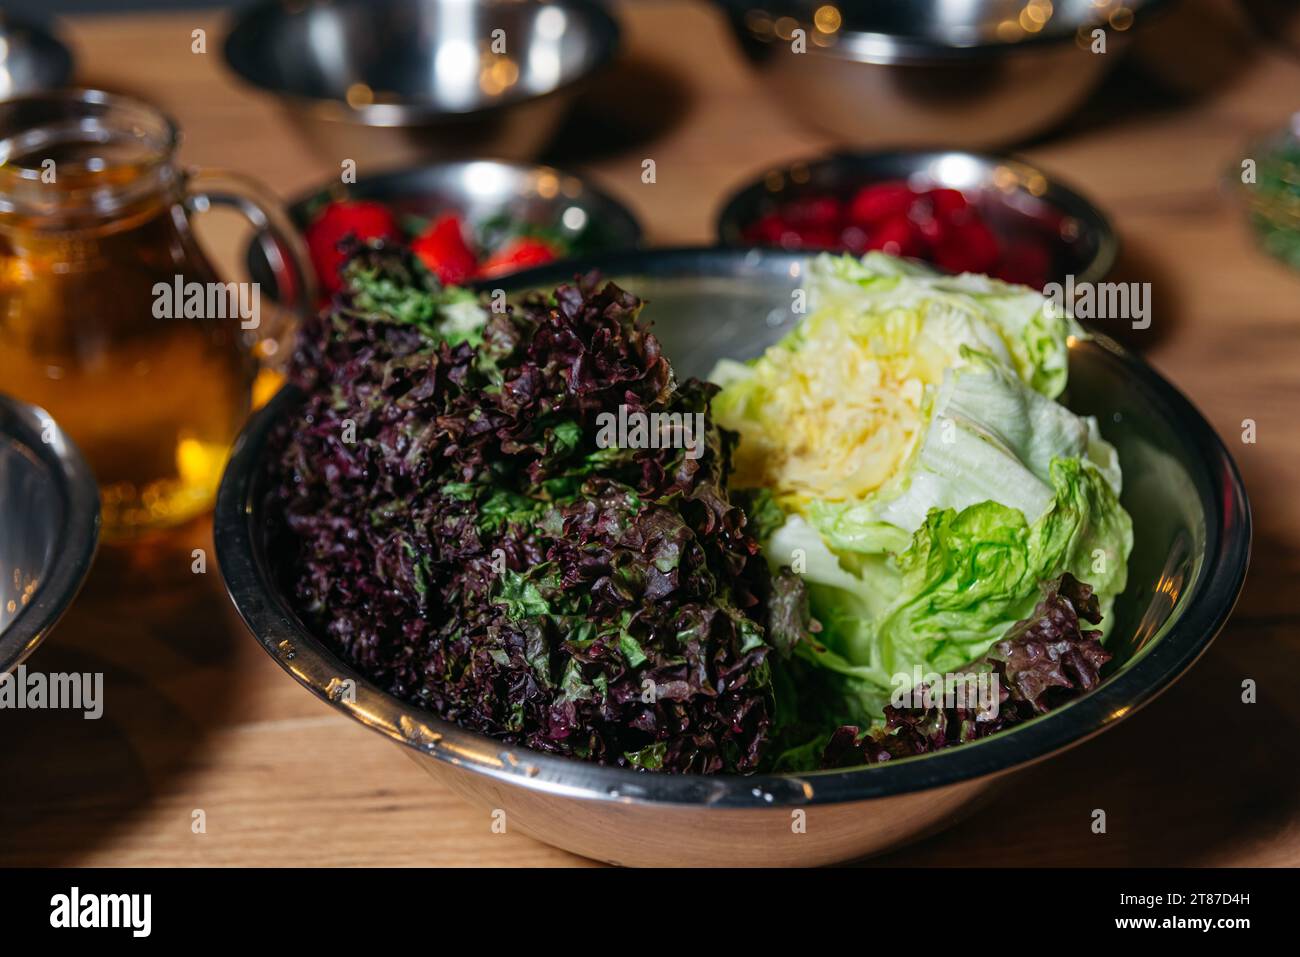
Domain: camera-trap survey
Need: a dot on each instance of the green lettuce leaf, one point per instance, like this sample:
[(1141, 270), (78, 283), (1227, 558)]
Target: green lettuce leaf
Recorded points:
[(967, 576), (1002, 488)]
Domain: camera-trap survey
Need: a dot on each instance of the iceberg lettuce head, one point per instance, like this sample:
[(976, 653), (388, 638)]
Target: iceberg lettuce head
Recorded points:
[(929, 480)]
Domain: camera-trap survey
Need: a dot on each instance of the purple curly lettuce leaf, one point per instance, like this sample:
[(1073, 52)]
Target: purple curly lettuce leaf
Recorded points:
[(1040, 664), (1047, 657), (443, 514)]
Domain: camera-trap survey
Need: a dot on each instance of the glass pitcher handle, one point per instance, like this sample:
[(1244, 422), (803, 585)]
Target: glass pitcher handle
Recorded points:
[(283, 248)]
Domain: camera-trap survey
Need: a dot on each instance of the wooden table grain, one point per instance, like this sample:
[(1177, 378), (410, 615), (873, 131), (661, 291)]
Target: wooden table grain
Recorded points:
[(199, 719)]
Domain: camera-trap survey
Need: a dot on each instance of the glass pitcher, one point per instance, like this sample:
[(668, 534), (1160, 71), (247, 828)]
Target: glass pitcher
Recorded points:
[(111, 317)]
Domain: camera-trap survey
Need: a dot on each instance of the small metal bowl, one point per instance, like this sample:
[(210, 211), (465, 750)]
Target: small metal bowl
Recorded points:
[(1018, 201), (49, 527), (479, 190), (1192, 542), (390, 81), (30, 58), (930, 72)]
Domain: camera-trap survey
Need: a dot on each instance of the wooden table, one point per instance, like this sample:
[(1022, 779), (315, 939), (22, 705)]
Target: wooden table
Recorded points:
[(199, 718)]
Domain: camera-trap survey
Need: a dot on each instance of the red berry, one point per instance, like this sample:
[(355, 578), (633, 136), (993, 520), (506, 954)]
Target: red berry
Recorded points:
[(766, 231), (340, 219), (971, 247), (442, 248), (932, 229), (819, 239), (897, 236), (813, 212), (790, 238), (1024, 263), (854, 239), (879, 202)]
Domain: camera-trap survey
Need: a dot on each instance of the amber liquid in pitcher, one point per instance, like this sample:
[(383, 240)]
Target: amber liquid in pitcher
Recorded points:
[(153, 403)]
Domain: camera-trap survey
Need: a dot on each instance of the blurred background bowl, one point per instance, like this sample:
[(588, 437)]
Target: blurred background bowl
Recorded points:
[(49, 527), (928, 72), (392, 80), (1276, 21), (1191, 545), (31, 59), (1043, 229), (483, 193)]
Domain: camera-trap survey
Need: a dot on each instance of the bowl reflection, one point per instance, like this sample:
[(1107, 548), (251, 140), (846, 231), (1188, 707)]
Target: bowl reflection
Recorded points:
[(49, 527)]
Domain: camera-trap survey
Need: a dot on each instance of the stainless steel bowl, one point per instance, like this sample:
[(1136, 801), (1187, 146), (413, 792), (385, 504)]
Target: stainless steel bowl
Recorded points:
[(30, 58), (1192, 531), (49, 527), (931, 72), (479, 190), (393, 80), (1016, 199)]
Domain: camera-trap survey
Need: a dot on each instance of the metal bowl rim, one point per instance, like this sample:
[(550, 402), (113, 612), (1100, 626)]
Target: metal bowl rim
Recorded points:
[(1059, 193), (273, 623), (412, 112), (77, 540), (881, 48)]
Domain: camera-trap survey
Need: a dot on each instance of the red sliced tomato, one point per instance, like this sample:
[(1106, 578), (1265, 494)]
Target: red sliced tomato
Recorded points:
[(947, 202), (521, 253), (443, 249), (340, 219)]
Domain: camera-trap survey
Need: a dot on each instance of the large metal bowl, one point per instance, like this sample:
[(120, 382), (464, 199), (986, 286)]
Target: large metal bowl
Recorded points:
[(1015, 198), (49, 527), (931, 72), (30, 58), (390, 81), (1192, 531)]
